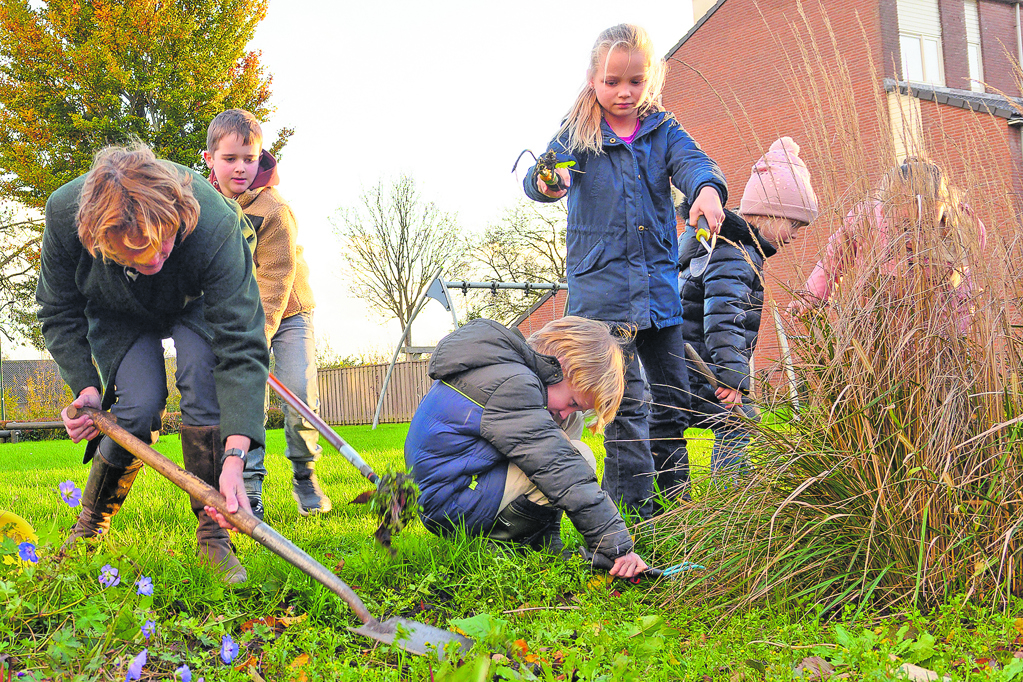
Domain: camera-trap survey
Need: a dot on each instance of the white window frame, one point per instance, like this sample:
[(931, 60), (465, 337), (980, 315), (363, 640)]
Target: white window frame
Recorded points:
[(931, 71)]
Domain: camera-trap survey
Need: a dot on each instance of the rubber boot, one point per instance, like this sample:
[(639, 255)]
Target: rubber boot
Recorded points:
[(527, 523), (201, 448), (104, 493)]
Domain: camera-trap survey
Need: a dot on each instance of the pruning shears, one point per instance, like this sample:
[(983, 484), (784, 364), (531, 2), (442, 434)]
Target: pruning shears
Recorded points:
[(547, 165), (708, 241)]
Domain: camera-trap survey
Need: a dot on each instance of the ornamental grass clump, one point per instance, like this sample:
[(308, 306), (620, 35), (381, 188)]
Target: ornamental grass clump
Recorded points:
[(900, 480)]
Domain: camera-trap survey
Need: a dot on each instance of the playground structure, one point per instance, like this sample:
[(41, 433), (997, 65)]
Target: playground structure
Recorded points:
[(440, 291)]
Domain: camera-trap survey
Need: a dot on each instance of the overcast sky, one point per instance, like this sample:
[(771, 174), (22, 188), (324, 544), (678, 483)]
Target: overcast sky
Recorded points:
[(448, 92)]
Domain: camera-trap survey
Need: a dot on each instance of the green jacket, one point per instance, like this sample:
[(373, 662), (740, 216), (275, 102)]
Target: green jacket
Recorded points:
[(91, 309)]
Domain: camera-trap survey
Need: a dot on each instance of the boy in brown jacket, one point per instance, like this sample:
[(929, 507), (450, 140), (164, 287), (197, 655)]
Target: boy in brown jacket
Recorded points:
[(243, 171)]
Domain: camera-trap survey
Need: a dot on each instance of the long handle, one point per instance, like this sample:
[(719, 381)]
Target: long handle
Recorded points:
[(786, 358), (328, 433), (241, 519), (708, 374)]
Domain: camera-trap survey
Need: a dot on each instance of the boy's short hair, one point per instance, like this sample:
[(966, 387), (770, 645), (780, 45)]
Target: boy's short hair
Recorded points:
[(132, 201), (591, 357), (233, 122)]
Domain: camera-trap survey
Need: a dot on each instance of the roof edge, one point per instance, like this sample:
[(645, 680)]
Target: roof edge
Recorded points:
[(996, 105), (694, 29)]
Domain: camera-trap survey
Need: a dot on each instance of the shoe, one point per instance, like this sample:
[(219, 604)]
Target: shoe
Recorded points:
[(311, 499), (254, 491)]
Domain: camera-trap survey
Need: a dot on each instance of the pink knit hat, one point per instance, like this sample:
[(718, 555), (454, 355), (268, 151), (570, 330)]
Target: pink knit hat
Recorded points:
[(780, 185)]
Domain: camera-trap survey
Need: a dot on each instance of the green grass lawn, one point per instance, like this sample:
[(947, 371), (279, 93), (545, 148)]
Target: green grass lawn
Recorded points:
[(548, 619)]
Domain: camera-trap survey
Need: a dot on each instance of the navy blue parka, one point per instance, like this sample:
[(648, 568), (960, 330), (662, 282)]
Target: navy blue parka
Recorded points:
[(723, 306), (622, 236)]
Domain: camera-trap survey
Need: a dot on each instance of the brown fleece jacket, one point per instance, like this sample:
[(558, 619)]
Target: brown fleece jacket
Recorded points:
[(281, 270)]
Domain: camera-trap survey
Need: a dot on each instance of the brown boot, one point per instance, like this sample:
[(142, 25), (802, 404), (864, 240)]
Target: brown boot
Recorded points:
[(104, 494), (201, 447)]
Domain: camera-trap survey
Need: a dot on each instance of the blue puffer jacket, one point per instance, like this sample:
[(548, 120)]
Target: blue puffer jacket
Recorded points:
[(622, 239), (486, 409), (722, 307)]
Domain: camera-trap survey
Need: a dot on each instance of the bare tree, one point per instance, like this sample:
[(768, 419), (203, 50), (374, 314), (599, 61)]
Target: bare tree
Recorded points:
[(19, 271), (527, 245), (393, 243)]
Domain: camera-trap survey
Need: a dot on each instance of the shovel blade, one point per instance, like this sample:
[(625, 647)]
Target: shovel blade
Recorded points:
[(698, 265), (416, 638)]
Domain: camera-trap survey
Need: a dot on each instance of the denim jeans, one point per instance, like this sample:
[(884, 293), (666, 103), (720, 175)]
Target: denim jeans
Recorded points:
[(294, 351), (640, 450), (140, 385)]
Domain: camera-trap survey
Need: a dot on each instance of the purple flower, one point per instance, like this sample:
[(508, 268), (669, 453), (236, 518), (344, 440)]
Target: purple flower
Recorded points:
[(27, 552), (108, 576), (184, 673), (135, 668), (71, 494), (148, 628), (228, 649), (145, 586)]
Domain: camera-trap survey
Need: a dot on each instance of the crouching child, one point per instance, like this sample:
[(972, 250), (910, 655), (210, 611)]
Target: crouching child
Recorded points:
[(487, 448)]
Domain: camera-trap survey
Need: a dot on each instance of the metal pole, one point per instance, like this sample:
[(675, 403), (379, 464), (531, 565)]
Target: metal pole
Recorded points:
[(525, 286), (387, 377)]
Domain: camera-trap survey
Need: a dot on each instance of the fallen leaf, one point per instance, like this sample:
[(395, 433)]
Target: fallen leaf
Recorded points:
[(986, 665), (737, 676), (917, 674), (599, 582), (291, 620), (250, 662), (255, 676), (523, 647), (814, 668), (300, 660), (1017, 625)]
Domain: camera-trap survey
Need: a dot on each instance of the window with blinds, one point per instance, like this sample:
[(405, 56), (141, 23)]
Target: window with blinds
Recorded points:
[(920, 41), (973, 46)]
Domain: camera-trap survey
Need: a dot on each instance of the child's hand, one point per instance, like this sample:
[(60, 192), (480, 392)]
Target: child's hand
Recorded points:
[(707, 204), (729, 397), (628, 566), (549, 191), (800, 305)]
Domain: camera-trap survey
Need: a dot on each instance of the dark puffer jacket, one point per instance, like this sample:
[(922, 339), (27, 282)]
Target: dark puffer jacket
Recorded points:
[(722, 307), (488, 407)]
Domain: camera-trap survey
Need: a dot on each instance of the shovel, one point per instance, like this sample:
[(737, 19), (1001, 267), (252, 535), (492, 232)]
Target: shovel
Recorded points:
[(711, 379), (698, 265), (416, 638)]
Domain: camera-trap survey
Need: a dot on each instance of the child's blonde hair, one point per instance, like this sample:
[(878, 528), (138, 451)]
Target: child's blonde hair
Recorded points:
[(591, 358), (131, 201), (233, 122), (583, 120), (921, 180)]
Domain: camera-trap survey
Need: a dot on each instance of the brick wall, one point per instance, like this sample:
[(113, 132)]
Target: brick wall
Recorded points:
[(953, 48), (552, 308), (998, 45), (758, 70)]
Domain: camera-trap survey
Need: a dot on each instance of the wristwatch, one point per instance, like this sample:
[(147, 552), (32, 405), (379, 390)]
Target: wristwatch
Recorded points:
[(232, 452)]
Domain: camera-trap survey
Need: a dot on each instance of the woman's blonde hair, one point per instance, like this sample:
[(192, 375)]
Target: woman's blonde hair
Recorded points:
[(583, 120), (591, 358), (131, 202)]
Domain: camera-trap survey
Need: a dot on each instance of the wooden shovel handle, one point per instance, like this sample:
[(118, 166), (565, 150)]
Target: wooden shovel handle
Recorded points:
[(211, 497)]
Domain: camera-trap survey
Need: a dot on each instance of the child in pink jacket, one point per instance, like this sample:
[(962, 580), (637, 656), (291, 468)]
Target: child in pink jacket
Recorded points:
[(912, 199)]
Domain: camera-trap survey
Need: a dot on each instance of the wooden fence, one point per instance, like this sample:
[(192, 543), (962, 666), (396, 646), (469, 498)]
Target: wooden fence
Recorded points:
[(348, 395)]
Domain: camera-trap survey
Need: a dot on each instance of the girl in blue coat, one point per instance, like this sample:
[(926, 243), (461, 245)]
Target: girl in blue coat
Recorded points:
[(623, 249)]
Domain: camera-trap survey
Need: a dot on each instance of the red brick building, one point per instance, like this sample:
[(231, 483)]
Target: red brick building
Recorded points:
[(550, 306), (858, 84)]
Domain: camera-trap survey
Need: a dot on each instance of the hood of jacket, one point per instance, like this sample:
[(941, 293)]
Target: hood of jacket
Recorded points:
[(482, 343)]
